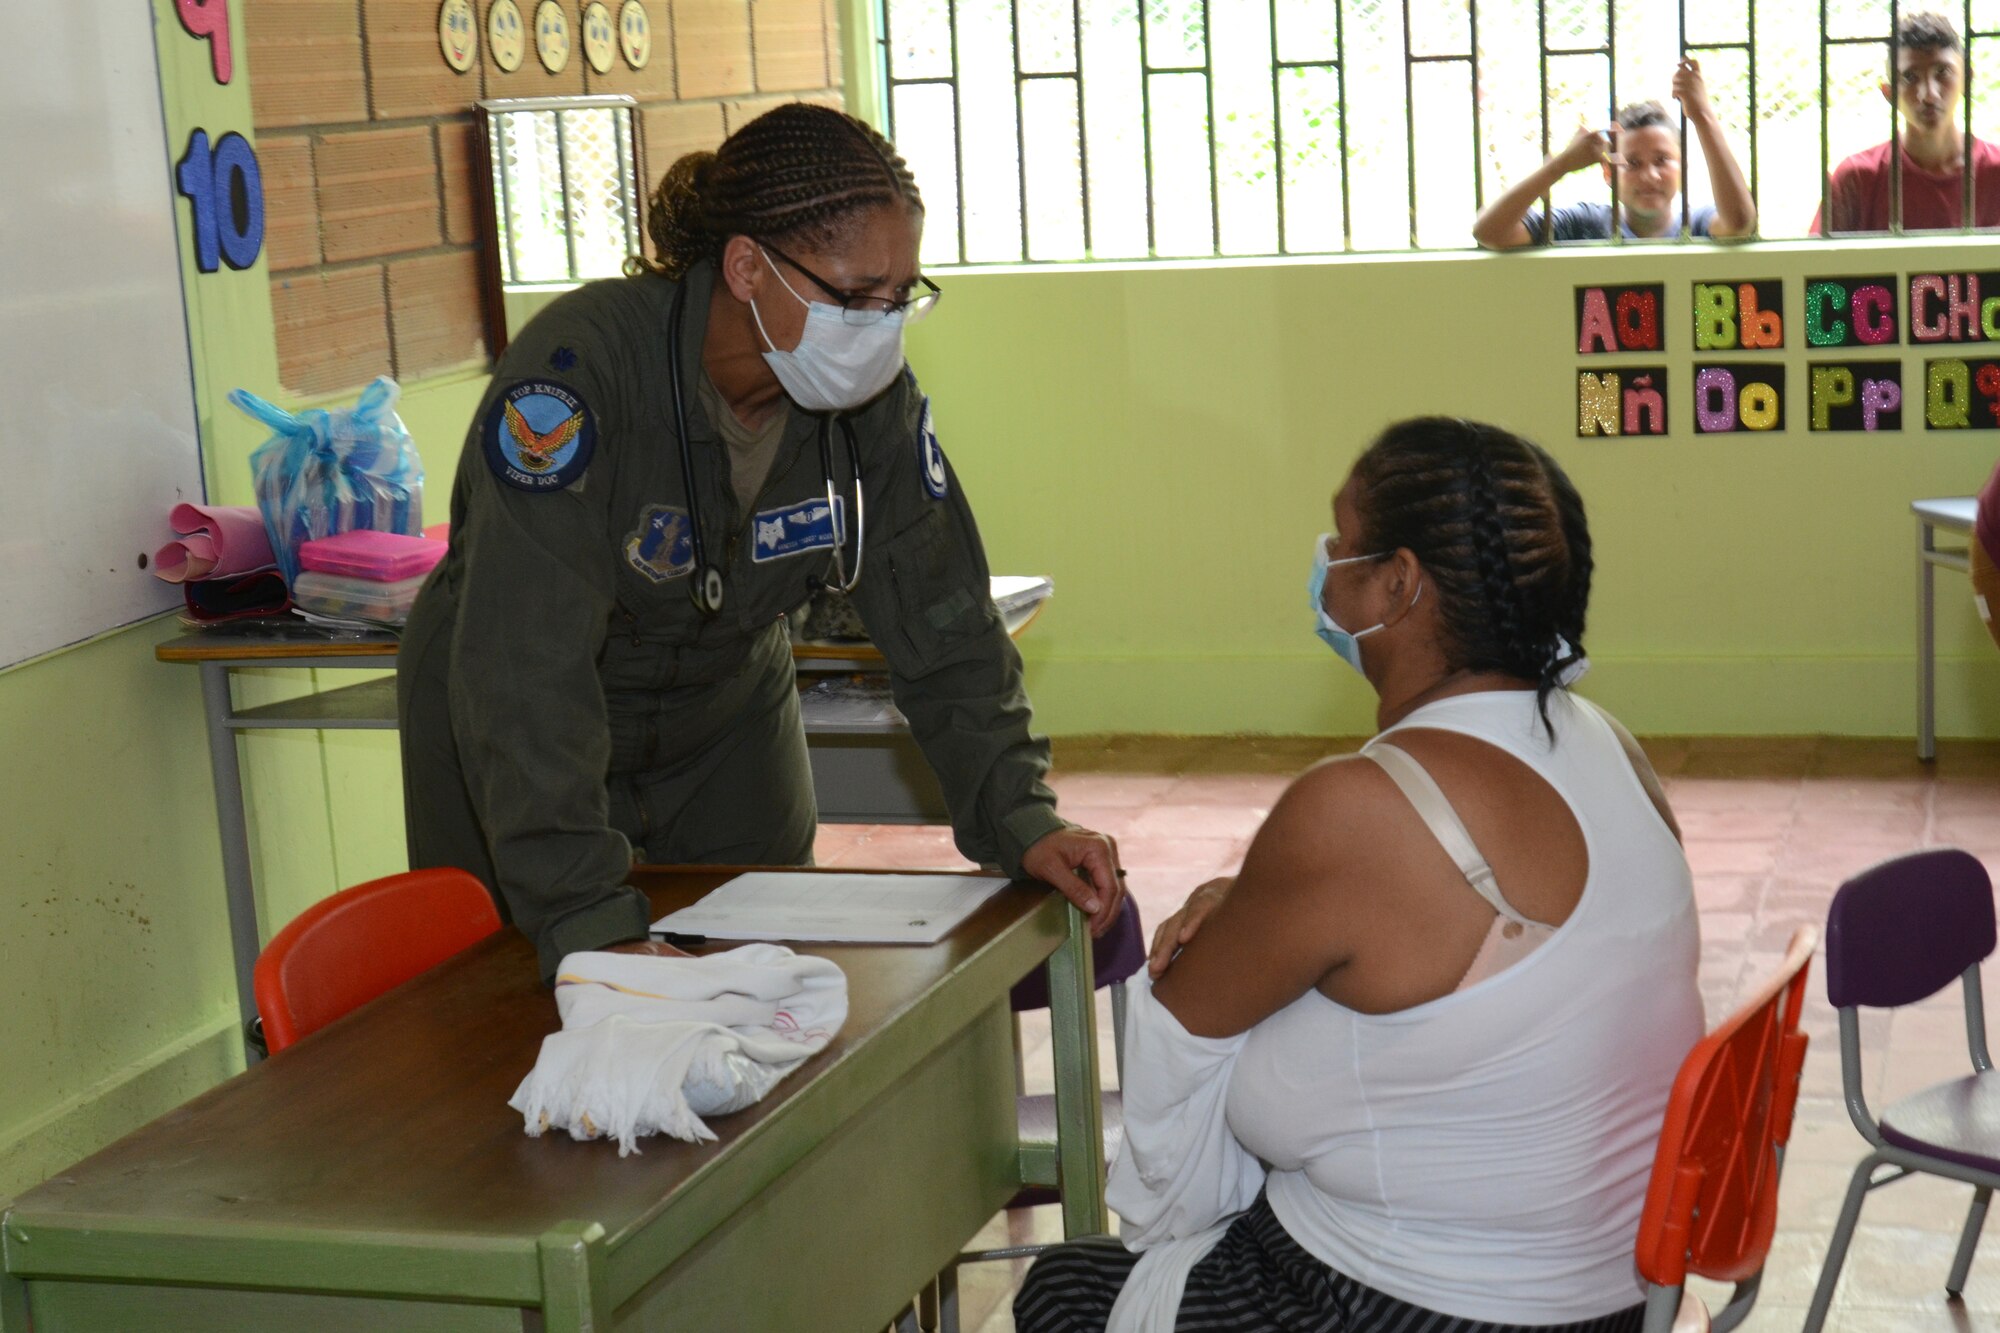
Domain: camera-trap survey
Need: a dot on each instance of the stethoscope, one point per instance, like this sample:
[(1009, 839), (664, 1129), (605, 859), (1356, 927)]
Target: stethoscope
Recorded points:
[(706, 585)]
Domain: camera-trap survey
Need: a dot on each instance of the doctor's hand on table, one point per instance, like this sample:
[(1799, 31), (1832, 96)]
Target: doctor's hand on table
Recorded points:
[(1181, 927), (1083, 867)]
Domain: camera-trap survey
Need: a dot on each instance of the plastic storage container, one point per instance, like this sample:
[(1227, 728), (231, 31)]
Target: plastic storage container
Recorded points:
[(387, 557), (345, 598)]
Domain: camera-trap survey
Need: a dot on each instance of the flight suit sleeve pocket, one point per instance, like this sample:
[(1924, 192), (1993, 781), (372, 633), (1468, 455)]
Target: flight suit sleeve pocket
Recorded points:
[(941, 595)]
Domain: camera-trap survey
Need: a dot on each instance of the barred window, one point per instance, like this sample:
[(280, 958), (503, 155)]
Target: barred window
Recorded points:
[(565, 196), (1048, 130)]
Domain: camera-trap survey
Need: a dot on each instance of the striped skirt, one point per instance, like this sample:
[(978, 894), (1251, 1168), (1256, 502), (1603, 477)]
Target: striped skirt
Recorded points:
[(1256, 1280)]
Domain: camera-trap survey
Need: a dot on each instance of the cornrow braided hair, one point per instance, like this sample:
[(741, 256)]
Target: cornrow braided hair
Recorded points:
[(1501, 532), (799, 173)]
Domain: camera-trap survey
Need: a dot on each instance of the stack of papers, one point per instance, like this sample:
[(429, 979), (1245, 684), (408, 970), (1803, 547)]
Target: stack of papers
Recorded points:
[(847, 909)]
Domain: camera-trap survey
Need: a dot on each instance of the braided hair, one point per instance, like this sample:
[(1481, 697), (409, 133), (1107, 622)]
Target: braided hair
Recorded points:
[(1501, 531), (800, 172)]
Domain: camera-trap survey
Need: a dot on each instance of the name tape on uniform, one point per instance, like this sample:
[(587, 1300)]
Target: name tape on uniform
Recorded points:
[(797, 528)]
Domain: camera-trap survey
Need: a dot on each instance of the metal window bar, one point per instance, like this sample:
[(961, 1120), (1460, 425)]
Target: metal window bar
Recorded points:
[(1608, 51), (1748, 46), (1826, 44), (1022, 78), (509, 129), (1970, 36), (1470, 59), (1201, 60), (1338, 65), (1148, 71), (891, 82)]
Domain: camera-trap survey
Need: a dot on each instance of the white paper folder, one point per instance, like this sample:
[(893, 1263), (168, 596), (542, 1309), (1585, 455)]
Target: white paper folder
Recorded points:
[(844, 909)]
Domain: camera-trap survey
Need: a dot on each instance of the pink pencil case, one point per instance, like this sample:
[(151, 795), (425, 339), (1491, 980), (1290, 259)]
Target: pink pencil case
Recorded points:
[(384, 557)]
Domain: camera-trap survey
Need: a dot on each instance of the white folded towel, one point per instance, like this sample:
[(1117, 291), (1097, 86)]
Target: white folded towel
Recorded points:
[(1181, 1177), (650, 1045)]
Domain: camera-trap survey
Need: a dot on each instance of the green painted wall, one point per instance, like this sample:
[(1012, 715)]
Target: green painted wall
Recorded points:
[(1165, 441)]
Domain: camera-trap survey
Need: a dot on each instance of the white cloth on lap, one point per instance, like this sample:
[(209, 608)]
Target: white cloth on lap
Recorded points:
[(650, 1045), (1181, 1177)]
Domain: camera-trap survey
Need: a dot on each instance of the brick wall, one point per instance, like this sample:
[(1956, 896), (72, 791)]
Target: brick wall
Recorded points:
[(365, 137)]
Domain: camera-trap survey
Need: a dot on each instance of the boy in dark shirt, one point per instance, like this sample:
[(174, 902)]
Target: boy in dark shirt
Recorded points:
[(1645, 151)]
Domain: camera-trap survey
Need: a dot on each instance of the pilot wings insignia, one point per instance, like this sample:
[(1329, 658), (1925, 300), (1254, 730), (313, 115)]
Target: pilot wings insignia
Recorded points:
[(539, 448)]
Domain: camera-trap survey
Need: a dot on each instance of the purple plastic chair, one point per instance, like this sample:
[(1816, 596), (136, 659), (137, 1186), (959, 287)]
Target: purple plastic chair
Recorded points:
[(1895, 935), (1116, 955)]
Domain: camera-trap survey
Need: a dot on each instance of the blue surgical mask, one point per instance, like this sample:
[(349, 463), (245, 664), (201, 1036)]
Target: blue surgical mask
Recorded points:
[(1346, 643)]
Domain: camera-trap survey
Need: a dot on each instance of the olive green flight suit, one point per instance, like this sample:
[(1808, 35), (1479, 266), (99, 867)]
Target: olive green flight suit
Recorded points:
[(564, 706)]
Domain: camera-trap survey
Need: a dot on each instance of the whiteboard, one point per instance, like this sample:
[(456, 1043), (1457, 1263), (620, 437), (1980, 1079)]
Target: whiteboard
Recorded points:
[(97, 418)]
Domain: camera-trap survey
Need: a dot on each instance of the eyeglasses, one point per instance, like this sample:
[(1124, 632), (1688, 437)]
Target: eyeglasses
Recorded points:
[(859, 309)]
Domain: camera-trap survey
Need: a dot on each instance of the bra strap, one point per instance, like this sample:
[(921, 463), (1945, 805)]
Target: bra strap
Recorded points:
[(1423, 793)]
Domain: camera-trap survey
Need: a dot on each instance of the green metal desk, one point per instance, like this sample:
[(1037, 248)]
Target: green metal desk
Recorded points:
[(373, 1177)]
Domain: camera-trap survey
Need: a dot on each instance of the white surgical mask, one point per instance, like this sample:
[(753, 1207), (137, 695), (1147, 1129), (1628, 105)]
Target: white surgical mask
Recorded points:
[(838, 364)]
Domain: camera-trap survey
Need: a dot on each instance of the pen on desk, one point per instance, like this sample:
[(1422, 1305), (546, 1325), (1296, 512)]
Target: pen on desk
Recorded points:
[(678, 940)]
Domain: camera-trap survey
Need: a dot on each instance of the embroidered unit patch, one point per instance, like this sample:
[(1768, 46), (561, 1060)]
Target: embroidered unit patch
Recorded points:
[(539, 436), (797, 528), (663, 546)]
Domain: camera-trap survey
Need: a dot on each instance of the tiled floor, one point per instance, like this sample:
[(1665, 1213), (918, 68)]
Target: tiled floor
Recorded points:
[(1772, 827)]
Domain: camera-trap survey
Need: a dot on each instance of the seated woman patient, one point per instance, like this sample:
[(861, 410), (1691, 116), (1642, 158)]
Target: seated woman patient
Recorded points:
[(1407, 1069)]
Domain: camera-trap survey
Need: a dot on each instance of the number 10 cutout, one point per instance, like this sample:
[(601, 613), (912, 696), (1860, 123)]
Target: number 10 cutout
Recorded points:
[(225, 192)]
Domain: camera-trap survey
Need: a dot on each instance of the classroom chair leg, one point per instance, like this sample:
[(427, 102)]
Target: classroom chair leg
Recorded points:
[(947, 1298), (1836, 1250), (1961, 1267)]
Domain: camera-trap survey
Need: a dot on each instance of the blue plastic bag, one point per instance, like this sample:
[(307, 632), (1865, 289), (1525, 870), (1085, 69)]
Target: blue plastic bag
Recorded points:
[(323, 473)]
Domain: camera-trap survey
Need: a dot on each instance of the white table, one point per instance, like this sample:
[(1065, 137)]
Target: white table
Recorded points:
[(1954, 514)]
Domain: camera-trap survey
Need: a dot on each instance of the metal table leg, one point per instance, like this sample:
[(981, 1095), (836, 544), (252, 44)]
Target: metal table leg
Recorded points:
[(1079, 1108), (245, 938), (1926, 643)]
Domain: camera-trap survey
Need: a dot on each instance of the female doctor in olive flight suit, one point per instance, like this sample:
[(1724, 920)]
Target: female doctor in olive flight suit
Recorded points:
[(600, 667)]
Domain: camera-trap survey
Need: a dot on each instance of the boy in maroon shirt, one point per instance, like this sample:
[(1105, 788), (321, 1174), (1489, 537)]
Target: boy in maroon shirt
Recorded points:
[(1930, 66)]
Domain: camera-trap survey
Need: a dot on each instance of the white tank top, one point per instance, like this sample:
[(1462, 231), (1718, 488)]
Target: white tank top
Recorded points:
[(1485, 1155)]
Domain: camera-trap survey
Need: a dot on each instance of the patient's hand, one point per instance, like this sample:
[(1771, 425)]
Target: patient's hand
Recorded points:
[(1181, 927)]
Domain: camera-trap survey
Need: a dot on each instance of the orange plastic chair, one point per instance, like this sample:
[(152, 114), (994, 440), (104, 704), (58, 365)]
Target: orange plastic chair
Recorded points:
[(343, 952), (1712, 1203)]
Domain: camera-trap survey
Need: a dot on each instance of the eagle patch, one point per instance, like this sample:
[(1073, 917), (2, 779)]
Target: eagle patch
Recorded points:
[(539, 436)]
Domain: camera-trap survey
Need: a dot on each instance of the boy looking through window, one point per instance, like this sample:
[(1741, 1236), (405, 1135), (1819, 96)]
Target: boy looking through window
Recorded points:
[(1644, 149), (1929, 68)]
